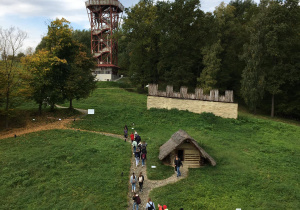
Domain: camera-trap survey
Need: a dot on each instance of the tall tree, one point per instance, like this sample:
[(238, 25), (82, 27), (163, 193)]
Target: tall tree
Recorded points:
[(71, 78), (39, 67), (11, 41), (141, 36), (212, 63)]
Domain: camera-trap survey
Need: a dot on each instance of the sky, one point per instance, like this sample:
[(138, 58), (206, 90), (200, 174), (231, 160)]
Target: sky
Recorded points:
[(33, 16)]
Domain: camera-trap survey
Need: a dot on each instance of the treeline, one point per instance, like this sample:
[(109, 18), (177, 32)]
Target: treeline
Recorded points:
[(59, 69), (249, 48)]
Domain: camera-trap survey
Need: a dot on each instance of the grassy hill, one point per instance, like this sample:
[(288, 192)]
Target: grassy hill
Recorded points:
[(62, 169), (257, 159)]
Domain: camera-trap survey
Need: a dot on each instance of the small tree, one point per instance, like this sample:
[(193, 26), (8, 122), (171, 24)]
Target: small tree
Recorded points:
[(11, 41)]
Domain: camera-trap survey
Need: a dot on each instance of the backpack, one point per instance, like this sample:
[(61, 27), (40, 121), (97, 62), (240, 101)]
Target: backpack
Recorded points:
[(138, 200), (150, 207), (144, 150), (133, 180), (144, 156)]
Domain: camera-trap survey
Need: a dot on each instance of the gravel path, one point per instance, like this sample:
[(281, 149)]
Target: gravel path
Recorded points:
[(149, 184)]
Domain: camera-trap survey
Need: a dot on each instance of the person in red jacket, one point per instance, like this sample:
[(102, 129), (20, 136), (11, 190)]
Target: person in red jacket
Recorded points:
[(132, 136)]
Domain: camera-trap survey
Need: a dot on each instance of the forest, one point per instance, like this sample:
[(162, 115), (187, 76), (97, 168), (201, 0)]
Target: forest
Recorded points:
[(252, 49)]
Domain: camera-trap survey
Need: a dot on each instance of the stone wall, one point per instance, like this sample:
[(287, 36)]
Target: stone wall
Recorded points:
[(222, 109)]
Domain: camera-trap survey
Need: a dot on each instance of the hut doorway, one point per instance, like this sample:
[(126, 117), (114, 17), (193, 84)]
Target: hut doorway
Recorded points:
[(180, 155)]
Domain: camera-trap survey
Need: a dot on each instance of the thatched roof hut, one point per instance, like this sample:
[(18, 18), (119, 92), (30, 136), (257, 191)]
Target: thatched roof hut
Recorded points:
[(187, 149)]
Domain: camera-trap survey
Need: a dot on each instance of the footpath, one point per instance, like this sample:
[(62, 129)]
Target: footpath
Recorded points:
[(148, 184)]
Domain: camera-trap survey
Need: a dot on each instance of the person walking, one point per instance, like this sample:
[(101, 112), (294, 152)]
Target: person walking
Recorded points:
[(133, 182), (138, 139), (143, 153), (178, 163), (125, 132), (134, 145), (132, 137), (143, 157), (137, 156), (150, 205), (136, 201), (141, 181)]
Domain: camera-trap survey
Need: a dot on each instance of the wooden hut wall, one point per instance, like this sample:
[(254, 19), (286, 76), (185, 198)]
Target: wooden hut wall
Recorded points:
[(191, 154)]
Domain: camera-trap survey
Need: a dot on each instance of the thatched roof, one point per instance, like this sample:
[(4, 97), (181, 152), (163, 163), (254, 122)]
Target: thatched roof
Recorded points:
[(178, 138)]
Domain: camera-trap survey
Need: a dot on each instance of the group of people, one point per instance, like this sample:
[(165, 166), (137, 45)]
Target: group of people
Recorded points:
[(139, 152), (139, 147), (149, 206)]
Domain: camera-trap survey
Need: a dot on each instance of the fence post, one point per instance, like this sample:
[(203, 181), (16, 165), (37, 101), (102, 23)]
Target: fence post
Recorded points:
[(183, 92), (216, 95), (170, 91), (199, 93), (153, 90)]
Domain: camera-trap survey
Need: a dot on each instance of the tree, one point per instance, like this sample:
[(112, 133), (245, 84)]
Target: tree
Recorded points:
[(69, 75), (253, 77), (80, 81), (274, 39), (11, 41), (141, 37), (39, 66), (212, 62)]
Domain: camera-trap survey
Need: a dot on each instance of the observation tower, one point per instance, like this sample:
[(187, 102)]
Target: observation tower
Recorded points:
[(104, 20)]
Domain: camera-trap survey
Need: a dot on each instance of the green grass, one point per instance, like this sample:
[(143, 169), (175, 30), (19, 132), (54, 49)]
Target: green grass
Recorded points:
[(63, 169), (257, 159)]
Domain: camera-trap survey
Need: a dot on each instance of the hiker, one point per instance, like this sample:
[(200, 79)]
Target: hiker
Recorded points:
[(134, 145), (150, 205), (138, 139), (125, 132), (178, 163), (144, 147), (143, 157), (133, 182), (136, 201), (135, 134), (132, 137), (141, 181), (137, 156)]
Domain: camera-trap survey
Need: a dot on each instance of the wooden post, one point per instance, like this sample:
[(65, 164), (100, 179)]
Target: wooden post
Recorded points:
[(183, 92), (229, 96), (216, 95), (199, 93), (153, 89), (170, 91), (212, 95)]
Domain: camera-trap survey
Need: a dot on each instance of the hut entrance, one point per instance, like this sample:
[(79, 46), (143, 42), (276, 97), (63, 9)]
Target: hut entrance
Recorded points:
[(180, 155)]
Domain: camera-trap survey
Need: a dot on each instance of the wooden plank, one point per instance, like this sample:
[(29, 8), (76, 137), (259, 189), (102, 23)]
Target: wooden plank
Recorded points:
[(199, 93), (216, 95), (169, 91), (183, 92)]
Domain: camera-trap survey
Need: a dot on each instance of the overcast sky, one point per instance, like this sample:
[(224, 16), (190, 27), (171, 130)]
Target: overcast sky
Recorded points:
[(33, 16)]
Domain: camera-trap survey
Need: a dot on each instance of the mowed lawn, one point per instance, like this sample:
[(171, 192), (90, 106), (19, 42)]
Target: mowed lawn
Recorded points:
[(257, 160), (62, 169)]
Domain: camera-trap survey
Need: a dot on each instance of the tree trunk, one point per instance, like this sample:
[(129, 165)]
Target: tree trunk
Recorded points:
[(40, 108), (272, 108), (71, 106), (52, 105)]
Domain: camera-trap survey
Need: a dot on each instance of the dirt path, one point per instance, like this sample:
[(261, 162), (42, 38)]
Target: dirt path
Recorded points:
[(35, 126), (64, 124), (149, 184)]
